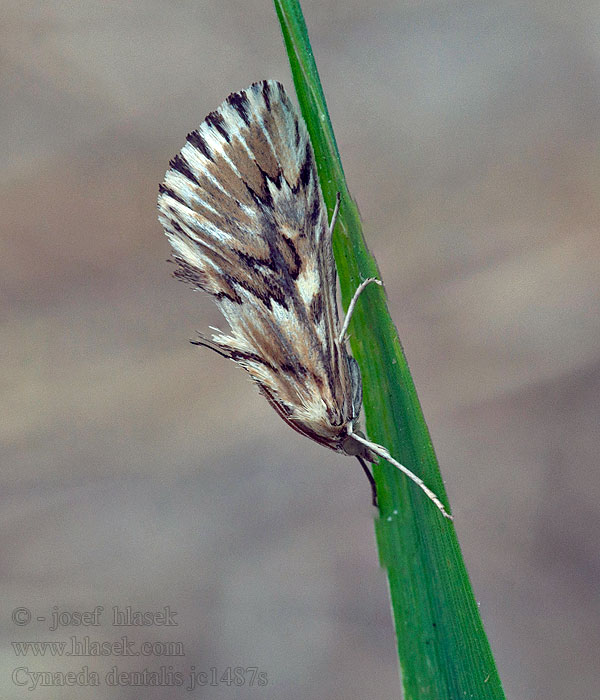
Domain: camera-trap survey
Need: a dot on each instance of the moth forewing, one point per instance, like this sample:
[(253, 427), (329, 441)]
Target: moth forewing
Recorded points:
[(243, 210)]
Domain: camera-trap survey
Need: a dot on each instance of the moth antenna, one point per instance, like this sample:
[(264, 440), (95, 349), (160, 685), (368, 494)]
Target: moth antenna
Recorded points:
[(334, 216), (359, 290), (367, 471), (382, 452)]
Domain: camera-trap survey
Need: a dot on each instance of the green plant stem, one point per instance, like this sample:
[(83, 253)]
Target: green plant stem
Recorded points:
[(443, 650)]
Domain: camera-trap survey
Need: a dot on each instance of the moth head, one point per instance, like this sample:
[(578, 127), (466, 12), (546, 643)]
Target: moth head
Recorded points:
[(354, 448)]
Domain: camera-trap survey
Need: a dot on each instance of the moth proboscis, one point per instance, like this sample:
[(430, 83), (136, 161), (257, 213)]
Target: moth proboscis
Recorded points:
[(243, 210)]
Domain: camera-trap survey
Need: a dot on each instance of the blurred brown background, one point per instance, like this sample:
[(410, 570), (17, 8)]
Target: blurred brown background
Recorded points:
[(139, 470)]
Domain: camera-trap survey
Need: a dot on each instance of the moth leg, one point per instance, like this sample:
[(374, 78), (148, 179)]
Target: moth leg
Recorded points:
[(371, 480), (361, 287), (334, 216), (210, 345), (382, 452)]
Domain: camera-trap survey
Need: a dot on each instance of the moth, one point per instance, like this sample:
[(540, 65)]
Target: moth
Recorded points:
[(243, 211)]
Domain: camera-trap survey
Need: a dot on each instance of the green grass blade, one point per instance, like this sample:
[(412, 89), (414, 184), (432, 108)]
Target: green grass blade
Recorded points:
[(443, 650)]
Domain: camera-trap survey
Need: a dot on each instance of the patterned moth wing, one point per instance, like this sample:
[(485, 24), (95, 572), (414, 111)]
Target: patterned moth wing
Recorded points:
[(244, 213)]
